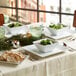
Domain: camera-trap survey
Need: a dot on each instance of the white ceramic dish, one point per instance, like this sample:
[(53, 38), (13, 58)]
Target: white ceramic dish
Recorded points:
[(56, 32), (14, 63), (16, 30), (33, 49), (63, 35), (45, 48)]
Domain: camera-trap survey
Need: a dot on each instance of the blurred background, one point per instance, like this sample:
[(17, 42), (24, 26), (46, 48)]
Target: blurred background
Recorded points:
[(31, 11)]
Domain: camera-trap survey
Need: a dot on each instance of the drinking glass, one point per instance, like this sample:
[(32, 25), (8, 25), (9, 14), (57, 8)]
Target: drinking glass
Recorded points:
[(36, 31)]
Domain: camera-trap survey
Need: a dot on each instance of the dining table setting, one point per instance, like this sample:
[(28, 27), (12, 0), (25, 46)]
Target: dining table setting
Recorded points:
[(37, 49)]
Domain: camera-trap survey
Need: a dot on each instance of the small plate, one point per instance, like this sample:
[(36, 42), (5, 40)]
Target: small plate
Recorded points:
[(33, 49)]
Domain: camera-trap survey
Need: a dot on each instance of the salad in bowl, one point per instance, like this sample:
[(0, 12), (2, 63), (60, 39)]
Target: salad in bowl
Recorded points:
[(57, 29), (45, 45), (15, 28)]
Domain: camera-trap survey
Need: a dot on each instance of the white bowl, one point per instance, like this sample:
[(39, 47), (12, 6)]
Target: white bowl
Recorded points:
[(19, 30), (45, 48), (16, 30), (58, 31)]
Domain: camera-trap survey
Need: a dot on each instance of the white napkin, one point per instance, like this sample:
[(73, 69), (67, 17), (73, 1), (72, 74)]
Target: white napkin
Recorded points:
[(71, 44)]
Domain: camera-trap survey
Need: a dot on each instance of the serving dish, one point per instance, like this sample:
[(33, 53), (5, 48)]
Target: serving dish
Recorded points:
[(22, 29), (66, 34), (12, 57), (45, 45), (34, 50), (57, 29)]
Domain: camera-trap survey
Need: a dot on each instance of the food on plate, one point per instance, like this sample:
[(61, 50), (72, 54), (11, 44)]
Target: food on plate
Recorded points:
[(57, 29), (46, 42), (45, 45), (16, 24), (56, 26), (10, 56)]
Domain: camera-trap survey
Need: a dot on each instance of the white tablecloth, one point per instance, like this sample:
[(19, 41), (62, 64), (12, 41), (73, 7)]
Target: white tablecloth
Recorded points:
[(59, 65)]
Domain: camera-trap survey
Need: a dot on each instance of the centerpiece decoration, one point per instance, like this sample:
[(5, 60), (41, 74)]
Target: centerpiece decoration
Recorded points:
[(17, 41)]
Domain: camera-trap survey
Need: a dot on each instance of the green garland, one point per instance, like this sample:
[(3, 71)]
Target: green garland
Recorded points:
[(5, 43), (24, 40)]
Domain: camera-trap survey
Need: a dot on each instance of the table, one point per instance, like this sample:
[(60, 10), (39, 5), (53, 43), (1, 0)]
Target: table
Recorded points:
[(59, 65), (63, 64)]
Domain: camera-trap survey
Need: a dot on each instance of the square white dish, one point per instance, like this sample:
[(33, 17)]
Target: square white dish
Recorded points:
[(63, 35), (45, 48), (57, 32), (33, 49), (67, 34), (57, 29), (15, 30)]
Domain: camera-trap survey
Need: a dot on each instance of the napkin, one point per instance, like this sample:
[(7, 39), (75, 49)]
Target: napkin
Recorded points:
[(71, 44)]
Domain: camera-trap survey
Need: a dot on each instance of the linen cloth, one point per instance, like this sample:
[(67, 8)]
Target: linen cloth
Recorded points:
[(64, 65), (59, 65)]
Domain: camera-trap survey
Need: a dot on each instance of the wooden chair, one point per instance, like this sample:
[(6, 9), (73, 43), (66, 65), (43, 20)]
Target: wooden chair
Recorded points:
[(1, 19), (74, 20)]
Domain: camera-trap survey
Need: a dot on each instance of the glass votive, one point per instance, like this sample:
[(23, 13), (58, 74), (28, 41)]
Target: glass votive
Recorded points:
[(36, 31)]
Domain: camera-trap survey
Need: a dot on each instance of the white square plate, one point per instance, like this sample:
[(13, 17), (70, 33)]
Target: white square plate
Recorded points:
[(33, 49), (67, 34), (63, 35)]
